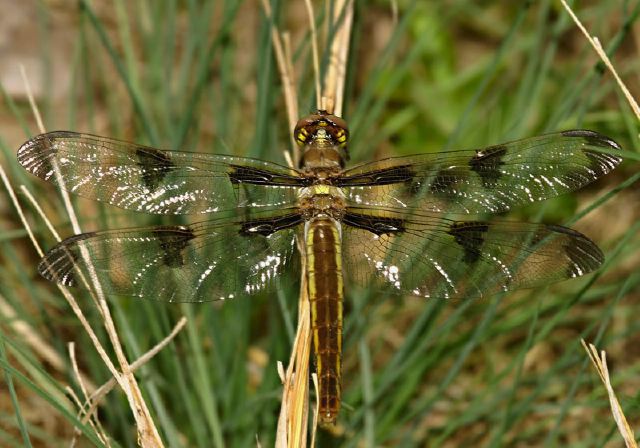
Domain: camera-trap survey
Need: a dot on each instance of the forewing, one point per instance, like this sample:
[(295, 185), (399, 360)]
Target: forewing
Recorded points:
[(201, 262), (150, 180), (492, 179), (430, 256)]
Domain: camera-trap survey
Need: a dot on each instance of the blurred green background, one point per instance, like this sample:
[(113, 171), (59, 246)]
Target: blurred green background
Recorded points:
[(422, 77)]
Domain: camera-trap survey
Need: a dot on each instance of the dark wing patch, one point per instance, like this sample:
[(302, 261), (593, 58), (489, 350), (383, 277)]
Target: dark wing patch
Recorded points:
[(378, 225), (268, 226), (173, 241), (470, 237), (487, 163), (154, 165)]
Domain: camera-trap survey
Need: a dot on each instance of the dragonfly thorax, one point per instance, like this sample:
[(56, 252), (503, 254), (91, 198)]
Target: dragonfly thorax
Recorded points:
[(322, 201)]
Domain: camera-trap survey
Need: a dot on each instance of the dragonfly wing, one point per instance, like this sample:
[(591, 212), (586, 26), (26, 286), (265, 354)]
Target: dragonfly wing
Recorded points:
[(488, 180), (145, 179), (201, 262), (430, 256)]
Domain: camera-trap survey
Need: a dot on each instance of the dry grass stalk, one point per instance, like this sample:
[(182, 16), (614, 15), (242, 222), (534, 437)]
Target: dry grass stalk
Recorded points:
[(595, 43), (600, 363), (338, 57), (315, 56)]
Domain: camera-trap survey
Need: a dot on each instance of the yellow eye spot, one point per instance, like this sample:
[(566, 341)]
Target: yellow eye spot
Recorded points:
[(322, 123)]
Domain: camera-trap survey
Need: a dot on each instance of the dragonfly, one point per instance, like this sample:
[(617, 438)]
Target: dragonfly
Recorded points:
[(412, 225)]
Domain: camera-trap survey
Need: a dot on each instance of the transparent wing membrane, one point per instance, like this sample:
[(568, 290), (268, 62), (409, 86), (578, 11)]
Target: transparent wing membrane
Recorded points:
[(207, 261), (144, 179), (487, 180), (431, 256)]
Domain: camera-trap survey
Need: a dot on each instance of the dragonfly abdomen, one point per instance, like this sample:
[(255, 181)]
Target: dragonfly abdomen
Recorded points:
[(325, 287)]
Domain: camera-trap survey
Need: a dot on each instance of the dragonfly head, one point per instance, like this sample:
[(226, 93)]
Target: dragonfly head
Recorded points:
[(324, 139)]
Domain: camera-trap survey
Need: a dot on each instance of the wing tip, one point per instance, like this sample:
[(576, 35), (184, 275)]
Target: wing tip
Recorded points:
[(597, 145), (584, 254), (58, 263), (593, 137), (33, 153), (47, 268)]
